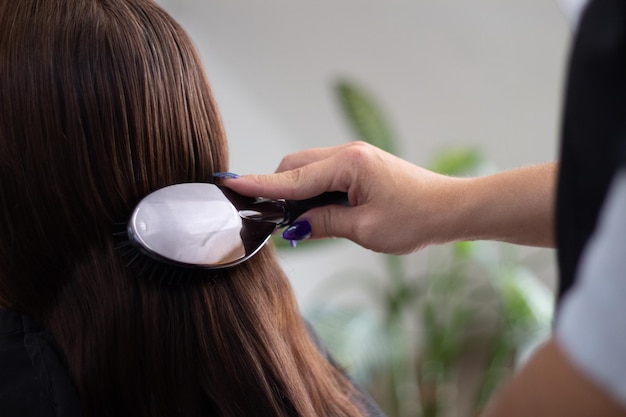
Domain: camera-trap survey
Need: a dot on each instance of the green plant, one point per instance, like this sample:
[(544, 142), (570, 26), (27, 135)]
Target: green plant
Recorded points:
[(405, 343)]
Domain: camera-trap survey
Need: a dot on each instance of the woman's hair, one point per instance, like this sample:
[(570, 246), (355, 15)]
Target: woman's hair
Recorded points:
[(102, 102)]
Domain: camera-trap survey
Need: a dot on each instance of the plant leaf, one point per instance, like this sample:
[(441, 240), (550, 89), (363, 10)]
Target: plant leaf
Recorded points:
[(365, 116), (457, 161)]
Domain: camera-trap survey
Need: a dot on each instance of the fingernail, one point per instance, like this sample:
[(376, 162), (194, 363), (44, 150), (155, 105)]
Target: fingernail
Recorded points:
[(228, 175), (299, 230)]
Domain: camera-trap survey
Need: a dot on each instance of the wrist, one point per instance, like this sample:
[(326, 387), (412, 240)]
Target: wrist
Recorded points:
[(514, 206)]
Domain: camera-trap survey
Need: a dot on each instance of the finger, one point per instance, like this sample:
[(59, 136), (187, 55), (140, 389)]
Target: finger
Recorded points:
[(306, 157), (297, 184), (314, 219), (327, 222)]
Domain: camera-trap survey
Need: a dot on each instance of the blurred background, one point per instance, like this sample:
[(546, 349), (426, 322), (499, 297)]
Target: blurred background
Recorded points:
[(461, 87)]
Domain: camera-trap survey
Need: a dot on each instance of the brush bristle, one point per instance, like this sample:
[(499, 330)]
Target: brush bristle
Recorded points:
[(152, 269)]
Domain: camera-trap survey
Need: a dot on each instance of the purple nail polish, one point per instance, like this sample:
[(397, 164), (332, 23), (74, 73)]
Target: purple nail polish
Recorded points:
[(299, 230), (229, 175)]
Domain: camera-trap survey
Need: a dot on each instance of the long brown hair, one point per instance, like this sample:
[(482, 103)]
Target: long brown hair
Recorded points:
[(101, 102)]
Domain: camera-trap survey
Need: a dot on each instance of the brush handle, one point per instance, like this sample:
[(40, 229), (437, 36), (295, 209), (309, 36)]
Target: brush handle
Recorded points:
[(296, 208)]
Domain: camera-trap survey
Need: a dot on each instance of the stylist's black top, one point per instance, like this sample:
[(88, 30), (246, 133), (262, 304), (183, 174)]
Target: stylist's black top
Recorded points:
[(34, 382), (593, 144)]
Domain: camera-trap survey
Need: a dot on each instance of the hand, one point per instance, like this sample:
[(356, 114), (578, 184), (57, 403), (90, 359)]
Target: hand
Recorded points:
[(396, 207)]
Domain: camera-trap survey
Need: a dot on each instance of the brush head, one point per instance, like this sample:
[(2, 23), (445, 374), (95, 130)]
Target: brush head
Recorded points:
[(197, 225)]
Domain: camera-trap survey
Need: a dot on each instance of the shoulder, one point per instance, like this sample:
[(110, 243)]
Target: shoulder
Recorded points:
[(33, 379), (365, 400)]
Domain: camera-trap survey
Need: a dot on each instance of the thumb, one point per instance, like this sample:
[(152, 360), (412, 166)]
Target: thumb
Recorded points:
[(323, 222)]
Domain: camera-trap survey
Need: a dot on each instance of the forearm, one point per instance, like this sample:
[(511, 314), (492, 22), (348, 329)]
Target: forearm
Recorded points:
[(515, 206), (550, 385)]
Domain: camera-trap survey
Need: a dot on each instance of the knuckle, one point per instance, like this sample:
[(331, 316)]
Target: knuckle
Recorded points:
[(361, 154), (285, 163), (362, 161), (359, 150), (327, 226), (293, 178), (362, 231), (359, 144)]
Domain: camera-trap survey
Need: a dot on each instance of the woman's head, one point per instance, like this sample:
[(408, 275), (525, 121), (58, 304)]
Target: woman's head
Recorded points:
[(103, 101)]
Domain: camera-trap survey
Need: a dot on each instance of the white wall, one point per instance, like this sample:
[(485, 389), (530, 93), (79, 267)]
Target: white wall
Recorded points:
[(449, 72)]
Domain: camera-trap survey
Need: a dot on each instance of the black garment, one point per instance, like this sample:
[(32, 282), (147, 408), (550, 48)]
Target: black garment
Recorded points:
[(365, 400), (593, 143), (34, 382)]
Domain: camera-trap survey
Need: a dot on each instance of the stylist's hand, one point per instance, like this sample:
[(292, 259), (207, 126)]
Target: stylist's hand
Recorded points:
[(397, 207)]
